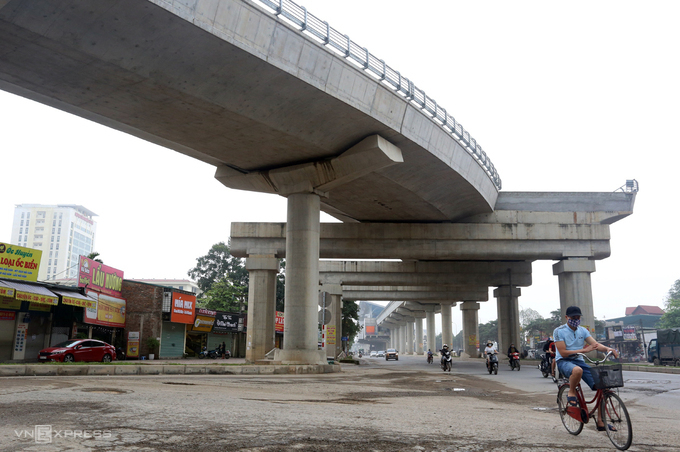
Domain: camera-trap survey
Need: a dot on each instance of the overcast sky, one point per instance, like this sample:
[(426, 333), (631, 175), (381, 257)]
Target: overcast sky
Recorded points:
[(576, 96)]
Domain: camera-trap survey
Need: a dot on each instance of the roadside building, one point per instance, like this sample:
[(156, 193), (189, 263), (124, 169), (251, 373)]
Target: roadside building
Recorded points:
[(63, 233)]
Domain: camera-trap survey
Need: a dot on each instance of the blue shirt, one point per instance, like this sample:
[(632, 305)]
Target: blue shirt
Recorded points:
[(573, 340)]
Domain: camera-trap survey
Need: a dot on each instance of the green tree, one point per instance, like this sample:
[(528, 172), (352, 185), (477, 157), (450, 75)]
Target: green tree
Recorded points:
[(95, 257), (225, 295), (671, 318), (350, 321), (488, 332), (217, 265), (222, 278)]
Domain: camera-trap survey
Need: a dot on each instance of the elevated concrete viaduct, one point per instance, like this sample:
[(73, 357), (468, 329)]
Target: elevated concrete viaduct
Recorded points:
[(276, 110), (437, 257)]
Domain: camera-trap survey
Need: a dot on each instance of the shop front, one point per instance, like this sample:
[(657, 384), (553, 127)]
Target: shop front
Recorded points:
[(181, 307), (106, 317), (228, 329), (197, 336), (26, 310)]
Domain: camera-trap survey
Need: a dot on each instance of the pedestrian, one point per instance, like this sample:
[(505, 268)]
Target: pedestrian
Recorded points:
[(224, 350)]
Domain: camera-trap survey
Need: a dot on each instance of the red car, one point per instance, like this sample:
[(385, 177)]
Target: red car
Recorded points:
[(79, 350)]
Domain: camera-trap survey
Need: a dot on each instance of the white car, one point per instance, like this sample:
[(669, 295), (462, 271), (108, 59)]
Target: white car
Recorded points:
[(373, 354), (381, 353)]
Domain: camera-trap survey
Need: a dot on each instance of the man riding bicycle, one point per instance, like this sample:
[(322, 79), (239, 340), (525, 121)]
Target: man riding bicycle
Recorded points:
[(570, 339)]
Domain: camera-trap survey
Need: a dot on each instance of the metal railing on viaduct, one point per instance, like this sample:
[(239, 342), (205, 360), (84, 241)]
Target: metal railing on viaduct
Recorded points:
[(311, 25)]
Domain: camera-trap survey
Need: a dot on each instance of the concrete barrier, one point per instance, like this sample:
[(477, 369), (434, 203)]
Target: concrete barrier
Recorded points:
[(70, 371), (55, 370), (126, 370), (101, 370), (151, 369)]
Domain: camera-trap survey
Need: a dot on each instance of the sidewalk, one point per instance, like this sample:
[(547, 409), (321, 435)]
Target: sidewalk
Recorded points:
[(232, 366)]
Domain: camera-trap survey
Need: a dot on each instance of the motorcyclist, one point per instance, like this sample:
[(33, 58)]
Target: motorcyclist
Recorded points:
[(549, 349), (489, 350), (445, 351), (429, 355), (512, 349)]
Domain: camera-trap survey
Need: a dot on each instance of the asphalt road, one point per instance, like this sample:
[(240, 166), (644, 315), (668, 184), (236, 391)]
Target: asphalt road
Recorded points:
[(404, 405)]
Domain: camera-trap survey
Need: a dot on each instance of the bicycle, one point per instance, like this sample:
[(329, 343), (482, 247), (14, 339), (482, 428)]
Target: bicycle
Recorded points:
[(613, 411)]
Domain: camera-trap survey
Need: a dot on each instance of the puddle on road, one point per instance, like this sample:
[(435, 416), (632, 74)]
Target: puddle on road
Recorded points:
[(104, 391)]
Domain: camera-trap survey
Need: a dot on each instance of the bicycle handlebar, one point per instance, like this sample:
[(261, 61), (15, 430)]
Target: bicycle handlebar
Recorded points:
[(595, 362)]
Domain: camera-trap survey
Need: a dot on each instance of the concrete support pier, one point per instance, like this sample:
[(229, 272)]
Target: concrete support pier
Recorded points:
[(508, 317), (409, 338), (470, 328), (333, 305), (262, 270), (419, 336), (447, 325), (431, 337), (575, 289), (300, 345)]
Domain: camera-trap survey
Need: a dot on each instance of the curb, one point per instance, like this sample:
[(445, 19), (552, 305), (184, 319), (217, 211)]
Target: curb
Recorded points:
[(47, 370)]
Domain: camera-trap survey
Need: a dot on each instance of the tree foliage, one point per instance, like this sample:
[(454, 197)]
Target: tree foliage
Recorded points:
[(225, 295), (95, 257), (541, 327), (222, 278), (350, 320), (671, 318), (488, 332)]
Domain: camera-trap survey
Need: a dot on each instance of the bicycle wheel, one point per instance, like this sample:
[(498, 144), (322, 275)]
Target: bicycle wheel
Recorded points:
[(615, 414), (572, 425)]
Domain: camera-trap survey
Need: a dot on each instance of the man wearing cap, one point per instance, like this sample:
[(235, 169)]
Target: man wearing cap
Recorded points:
[(570, 339)]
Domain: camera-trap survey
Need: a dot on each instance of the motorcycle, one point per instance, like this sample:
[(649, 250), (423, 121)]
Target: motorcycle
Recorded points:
[(120, 354), (429, 358), (546, 368), (212, 354), (492, 365), (446, 361), (514, 361), (360, 354)]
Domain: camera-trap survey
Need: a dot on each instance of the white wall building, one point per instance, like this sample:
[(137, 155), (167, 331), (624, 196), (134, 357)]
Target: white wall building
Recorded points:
[(181, 284), (63, 232)]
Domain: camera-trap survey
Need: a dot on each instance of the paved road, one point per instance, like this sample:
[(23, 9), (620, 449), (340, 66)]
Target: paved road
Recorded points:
[(381, 406)]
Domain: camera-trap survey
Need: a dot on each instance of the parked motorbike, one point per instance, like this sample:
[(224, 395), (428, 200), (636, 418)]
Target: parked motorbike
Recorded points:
[(492, 365), (205, 353), (446, 361), (120, 354), (430, 359), (514, 361)]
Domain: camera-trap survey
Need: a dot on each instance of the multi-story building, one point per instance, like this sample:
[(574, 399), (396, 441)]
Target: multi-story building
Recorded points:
[(63, 232)]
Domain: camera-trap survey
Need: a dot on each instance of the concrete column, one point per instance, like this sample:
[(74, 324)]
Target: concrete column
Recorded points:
[(419, 336), (402, 339), (447, 325), (302, 282), (333, 306), (470, 311), (429, 319), (508, 317), (575, 290), (262, 270), (409, 338)]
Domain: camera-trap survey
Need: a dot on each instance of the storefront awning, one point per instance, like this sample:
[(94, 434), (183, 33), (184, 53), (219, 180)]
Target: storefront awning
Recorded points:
[(34, 294), (6, 290), (76, 299)]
